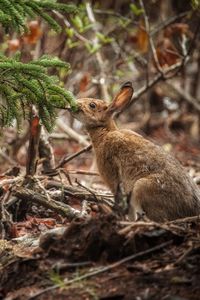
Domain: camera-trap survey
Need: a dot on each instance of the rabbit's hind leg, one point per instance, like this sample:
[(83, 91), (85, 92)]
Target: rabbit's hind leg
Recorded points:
[(135, 211), (144, 201)]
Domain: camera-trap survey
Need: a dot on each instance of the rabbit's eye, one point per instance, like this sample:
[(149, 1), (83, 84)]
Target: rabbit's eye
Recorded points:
[(92, 105)]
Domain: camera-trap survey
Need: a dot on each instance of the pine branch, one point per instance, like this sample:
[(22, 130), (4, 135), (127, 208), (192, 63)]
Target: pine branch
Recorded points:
[(14, 13), (23, 85)]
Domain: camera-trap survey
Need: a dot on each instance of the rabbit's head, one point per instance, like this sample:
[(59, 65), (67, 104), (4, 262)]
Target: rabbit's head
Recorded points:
[(94, 112)]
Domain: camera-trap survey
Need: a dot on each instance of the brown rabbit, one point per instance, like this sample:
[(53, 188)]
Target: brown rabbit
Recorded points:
[(157, 184)]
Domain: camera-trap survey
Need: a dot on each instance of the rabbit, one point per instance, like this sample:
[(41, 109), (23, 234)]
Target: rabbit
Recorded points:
[(155, 183)]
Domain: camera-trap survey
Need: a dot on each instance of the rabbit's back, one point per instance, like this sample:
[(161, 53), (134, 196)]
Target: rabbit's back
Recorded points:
[(165, 189)]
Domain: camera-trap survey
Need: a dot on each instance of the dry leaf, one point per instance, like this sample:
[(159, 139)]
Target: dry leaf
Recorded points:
[(14, 45), (34, 34)]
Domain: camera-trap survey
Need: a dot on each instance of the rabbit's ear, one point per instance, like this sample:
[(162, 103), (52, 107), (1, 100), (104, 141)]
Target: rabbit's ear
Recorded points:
[(122, 98)]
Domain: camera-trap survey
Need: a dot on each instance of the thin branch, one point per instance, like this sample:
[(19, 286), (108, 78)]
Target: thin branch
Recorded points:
[(6, 157), (184, 220), (147, 27), (10, 181), (66, 159), (67, 24), (83, 172), (87, 189), (72, 133), (35, 197), (168, 22), (100, 60), (156, 79), (185, 95), (80, 193)]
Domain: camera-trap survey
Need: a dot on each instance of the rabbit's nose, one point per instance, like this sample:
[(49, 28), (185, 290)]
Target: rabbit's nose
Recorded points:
[(71, 110)]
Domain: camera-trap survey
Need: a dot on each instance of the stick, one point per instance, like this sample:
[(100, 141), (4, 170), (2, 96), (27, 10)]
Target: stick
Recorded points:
[(83, 172), (69, 158), (185, 95), (80, 193), (188, 219), (35, 197), (72, 133), (147, 26), (100, 60)]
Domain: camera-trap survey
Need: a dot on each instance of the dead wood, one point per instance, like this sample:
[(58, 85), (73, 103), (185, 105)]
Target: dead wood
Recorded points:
[(39, 199), (80, 193), (46, 153)]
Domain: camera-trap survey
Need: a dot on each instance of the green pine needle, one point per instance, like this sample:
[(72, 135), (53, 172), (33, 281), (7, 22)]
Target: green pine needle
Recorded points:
[(14, 13), (22, 85)]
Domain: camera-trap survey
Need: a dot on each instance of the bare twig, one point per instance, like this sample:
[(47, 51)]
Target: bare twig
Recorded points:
[(6, 157), (66, 173), (80, 193), (44, 191), (185, 95), (67, 24), (85, 209), (183, 256), (147, 26), (35, 197), (69, 158), (100, 60), (46, 153), (72, 133), (83, 172), (87, 189), (168, 22), (156, 79), (183, 220), (10, 181)]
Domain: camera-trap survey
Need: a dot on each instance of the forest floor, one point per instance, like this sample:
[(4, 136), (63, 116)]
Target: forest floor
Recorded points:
[(49, 257)]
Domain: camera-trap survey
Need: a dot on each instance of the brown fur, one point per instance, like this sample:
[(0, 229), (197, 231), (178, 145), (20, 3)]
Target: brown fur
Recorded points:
[(158, 184)]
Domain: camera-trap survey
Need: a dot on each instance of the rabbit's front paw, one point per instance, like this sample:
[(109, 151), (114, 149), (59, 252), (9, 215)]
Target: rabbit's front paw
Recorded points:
[(141, 216)]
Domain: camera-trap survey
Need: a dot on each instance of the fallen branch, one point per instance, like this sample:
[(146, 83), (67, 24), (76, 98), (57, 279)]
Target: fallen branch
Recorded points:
[(80, 193), (83, 172), (10, 181), (184, 220), (35, 197)]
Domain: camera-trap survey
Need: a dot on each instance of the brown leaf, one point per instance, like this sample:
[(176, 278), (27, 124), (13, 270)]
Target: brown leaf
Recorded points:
[(167, 53), (178, 29), (84, 82), (34, 34)]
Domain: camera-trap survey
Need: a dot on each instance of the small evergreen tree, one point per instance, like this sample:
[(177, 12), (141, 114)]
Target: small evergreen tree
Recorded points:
[(25, 84)]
